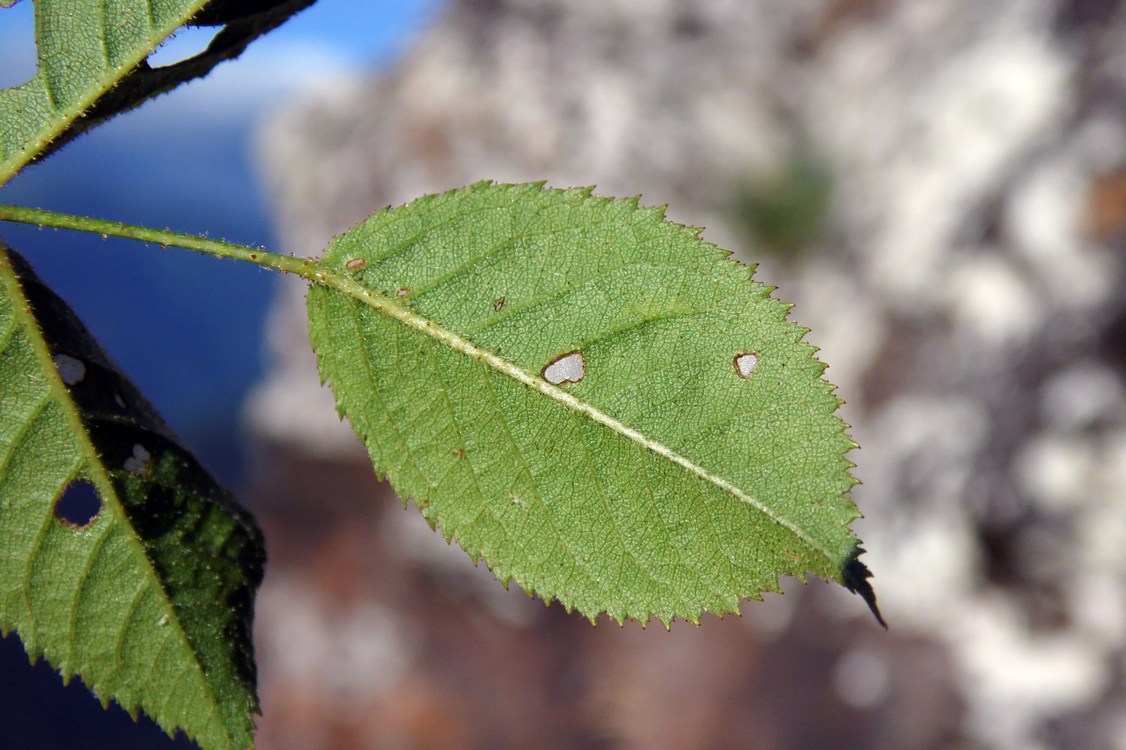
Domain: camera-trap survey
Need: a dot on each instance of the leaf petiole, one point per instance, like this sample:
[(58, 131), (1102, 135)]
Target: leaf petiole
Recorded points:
[(304, 267)]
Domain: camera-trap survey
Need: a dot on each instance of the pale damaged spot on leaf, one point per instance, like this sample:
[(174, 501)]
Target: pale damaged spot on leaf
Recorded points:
[(566, 368), (518, 502), (71, 369), (745, 364), (138, 463), (355, 264), (78, 505)]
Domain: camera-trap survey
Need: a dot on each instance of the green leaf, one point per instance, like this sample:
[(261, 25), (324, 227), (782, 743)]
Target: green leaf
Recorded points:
[(84, 47), (151, 599), (603, 407)]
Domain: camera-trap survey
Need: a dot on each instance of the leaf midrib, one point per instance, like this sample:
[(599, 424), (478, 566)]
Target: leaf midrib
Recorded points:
[(89, 464), (348, 286)]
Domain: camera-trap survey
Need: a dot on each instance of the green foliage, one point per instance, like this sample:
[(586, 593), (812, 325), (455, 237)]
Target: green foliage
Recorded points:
[(151, 600), (91, 63), (664, 481), (84, 47)]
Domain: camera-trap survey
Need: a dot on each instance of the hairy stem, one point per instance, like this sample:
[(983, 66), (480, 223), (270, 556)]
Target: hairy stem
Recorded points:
[(303, 267)]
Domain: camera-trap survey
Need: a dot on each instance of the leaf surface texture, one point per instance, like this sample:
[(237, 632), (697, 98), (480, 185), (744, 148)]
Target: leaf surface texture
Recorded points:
[(84, 47), (150, 600), (603, 407)]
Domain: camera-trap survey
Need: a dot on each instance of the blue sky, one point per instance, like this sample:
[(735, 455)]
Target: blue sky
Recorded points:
[(187, 329)]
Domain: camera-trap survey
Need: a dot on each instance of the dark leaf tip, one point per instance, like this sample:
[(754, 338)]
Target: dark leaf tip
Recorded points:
[(855, 575)]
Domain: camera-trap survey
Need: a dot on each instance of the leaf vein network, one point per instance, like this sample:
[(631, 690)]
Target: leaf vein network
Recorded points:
[(578, 286), (46, 398), (126, 622), (83, 581), (366, 358), (551, 512), (460, 438)]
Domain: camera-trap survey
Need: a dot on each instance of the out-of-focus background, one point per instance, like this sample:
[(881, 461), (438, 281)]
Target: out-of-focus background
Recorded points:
[(941, 190)]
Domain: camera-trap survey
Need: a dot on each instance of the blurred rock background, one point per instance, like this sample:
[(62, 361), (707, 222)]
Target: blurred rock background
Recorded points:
[(941, 190)]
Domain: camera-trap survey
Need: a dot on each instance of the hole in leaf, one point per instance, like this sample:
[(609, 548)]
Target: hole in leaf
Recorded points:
[(78, 505), (71, 369), (17, 45), (138, 463), (745, 364), (186, 43), (566, 368)]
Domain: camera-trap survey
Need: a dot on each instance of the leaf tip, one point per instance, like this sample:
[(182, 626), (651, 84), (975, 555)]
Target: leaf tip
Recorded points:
[(854, 576)]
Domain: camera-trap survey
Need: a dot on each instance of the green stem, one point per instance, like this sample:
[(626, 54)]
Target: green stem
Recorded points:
[(303, 267)]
